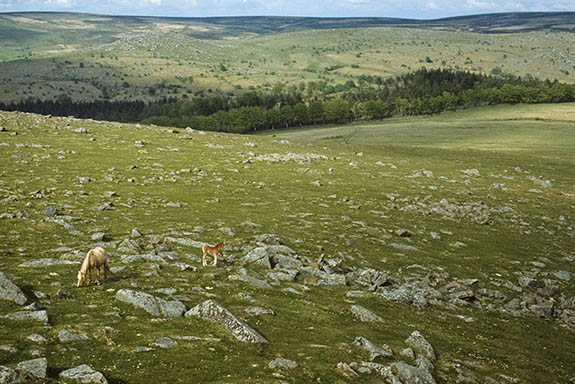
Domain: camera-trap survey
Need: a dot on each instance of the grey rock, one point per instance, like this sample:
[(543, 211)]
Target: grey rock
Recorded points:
[(41, 316), (36, 368), (36, 338), (405, 247), (563, 275), (365, 314), (10, 376), (107, 206), (46, 263), (268, 239), (407, 353), (50, 211), (10, 291), (239, 329), (135, 233), (374, 352), (129, 245), (250, 280), (164, 342), (417, 293), (370, 277), (85, 180), (292, 290), (70, 337), (100, 236), (260, 256), (420, 344), (143, 349), (346, 370), (280, 362), (184, 241), (82, 374), (151, 304), (283, 274), (409, 374), (257, 311)]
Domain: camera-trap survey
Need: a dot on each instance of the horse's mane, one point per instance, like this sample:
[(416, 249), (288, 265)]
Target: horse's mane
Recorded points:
[(86, 262)]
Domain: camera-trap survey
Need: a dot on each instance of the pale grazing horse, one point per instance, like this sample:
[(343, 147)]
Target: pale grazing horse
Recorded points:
[(94, 260), (213, 251)]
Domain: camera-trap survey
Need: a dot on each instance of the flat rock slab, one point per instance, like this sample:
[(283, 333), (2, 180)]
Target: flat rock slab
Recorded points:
[(82, 374), (35, 368), (280, 362), (164, 342), (46, 263), (10, 291), (215, 312), (41, 316), (365, 314), (68, 337), (151, 304)]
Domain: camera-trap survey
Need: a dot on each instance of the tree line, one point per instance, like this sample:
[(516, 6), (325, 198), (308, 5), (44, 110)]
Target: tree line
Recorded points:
[(422, 92)]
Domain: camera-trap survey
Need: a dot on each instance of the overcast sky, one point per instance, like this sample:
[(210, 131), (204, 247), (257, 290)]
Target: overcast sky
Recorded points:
[(420, 9)]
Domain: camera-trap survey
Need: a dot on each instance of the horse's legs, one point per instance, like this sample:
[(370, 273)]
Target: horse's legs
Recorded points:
[(204, 258), (215, 259), (97, 275), (89, 276)]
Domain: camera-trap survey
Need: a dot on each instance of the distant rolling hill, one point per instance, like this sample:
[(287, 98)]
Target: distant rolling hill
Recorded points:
[(86, 57)]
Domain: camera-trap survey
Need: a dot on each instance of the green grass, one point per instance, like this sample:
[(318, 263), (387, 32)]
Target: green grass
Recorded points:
[(281, 199), (43, 57)]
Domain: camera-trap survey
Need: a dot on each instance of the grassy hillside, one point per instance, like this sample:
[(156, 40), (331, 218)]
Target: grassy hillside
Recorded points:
[(524, 129), (430, 206), (87, 57)]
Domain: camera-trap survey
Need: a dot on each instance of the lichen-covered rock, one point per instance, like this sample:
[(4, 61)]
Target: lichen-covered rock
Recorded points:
[(417, 293), (420, 344), (365, 314), (10, 291), (280, 362), (374, 352), (83, 374), (10, 376), (68, 337), (240, 329), (151, 304), (164, 342), (36, 368), (41, 316)]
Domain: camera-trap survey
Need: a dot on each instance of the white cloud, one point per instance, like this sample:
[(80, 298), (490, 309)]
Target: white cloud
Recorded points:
[(60, 3), (482, 5), (432, 5)]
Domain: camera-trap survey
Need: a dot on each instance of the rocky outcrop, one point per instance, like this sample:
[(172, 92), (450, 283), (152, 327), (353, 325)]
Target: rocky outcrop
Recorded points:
[(10, 291), (239, 329), (151, 304)]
